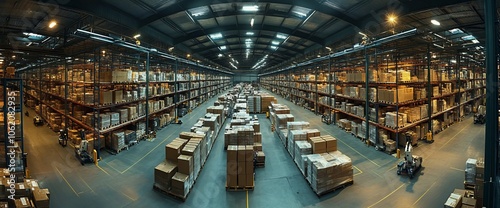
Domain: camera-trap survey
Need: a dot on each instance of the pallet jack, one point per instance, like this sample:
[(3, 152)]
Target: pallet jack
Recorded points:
[(81, 152)]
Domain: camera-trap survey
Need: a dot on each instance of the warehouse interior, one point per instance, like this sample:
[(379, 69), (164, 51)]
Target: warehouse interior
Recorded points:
[(272, 103)]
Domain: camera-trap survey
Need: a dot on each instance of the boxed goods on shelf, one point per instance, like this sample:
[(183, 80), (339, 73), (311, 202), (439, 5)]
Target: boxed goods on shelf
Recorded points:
[(117, 141), (121, 75), (117, 96), (104, 121), (395, 119), (115, 118), (106, 97)]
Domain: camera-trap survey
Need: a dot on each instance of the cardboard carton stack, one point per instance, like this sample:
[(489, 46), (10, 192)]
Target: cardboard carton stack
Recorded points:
[(302, 149), (163, 174), (453, 201), (470, 171), (283, 119), (395, 119), (180, 184), (240, 167), (328, 171), (266, 101), (293, 136)]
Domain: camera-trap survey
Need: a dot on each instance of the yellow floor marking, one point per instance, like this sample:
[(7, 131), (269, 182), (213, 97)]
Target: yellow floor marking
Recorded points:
[(454, 136), (247, 198), (112, 167), (391, 168), (378, 174), (67, 182), (457, 169), (86, 183), (386, 196), (128, 196), (362, 155), (424, 194), (160, 143), (358, 170), (97, 165)]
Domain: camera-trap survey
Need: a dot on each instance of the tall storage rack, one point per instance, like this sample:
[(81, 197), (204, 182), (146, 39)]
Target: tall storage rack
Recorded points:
[(12, 142), (394, 86), (117, 94)]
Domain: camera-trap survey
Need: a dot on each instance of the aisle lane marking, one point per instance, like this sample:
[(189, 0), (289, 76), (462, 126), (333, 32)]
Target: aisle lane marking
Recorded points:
[(160, 143), (454, 136), (97, 165), (86, 183), (247, 198), (386, 196), (360, 171), (66, 181), (453, 168), (424, 193)]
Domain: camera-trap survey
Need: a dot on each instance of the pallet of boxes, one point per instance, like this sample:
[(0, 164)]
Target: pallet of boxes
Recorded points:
[(472, 194), (27, 194)]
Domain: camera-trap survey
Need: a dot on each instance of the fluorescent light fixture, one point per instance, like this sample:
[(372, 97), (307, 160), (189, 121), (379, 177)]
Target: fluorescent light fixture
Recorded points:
[(281, 36), (455, 31), (275, 42), (328, 48), (435, 22), (52, 24), (468, 37), (252, 21), (250, 33), (475, 41), (137, 36), (216, 36), (199, 11), (220, 55), (453, 61), (274, 47), (248, 40), (223, 47), (252, 8)]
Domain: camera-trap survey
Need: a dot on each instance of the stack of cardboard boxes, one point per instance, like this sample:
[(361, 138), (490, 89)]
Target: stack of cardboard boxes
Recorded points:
[(403, 94), (240, 166), (328, 171)]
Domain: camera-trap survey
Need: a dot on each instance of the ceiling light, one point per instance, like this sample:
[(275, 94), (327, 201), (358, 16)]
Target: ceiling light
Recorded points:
[(137, 36), (216, 36), (435, 22), (248, 40), (220, 55), (475, 41), (455, 31), (252, 8), (250, 33), (275, 42), (468, 37), (328, 48), (281, 36), (223, 47), (52, 24), (391, 18), (252, 21), (274, 47), (188, 55)]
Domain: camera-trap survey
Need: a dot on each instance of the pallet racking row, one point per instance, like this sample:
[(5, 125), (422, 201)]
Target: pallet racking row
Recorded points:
[(412, 89)]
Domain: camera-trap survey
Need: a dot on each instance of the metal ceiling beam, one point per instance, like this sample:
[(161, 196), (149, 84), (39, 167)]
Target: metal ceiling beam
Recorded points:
[(287, 31), (238, 36), (186, 5), (116, 15), (236, 53)]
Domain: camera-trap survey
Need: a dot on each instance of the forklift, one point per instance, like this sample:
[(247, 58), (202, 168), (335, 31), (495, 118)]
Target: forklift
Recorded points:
[(63, 137), (411, 164), (81, 152)]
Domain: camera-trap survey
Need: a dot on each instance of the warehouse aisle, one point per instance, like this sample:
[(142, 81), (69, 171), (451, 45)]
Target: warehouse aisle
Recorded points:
[(123, 180), (375, 181)]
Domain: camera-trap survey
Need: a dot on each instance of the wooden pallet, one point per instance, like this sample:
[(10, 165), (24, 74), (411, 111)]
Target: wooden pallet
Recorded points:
[(260, 165), (334, 189), (177, 196), (469, 186), (239, 188)]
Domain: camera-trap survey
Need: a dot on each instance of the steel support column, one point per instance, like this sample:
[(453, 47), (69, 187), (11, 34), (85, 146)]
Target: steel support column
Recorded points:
[(491, 137)]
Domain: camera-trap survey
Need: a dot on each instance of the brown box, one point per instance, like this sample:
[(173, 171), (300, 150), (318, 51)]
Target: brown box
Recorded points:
[(242, 180), (173, 149), (331, 143), (118, 96), (249, 180), (469, 202), (40, 198), (232, 168), (106, 97), (232, 153), (257, 147), (232, 180), (257, 137), (318, 145), (180, 184), (241, 167), (241, 153), (163, 174), (460, 192), (185, 164), (23, 202), (249, 167), (249, 153)]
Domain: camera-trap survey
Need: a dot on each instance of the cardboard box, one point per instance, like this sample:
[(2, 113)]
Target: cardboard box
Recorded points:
[(257, 147), (40, 197), (318, 145), (241, 153), (180, 184), (232, 168), (241, 167), (249, 167), (469, 202), (163, 174), (331, 143), (232, 180), (232, 153), (118, 96), (185, 164), (174, 148), (249, 153), (249, 180), (23, 202), (242, 180)]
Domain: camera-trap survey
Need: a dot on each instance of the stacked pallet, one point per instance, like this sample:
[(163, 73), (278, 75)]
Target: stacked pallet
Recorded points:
[(329, 171), (240, 166)]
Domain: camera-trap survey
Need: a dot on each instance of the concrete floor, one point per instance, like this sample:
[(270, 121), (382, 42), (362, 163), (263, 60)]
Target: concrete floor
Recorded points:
[(126, 179)]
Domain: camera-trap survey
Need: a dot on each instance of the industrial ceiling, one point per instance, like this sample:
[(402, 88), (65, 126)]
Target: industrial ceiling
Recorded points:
[(236, 35)]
